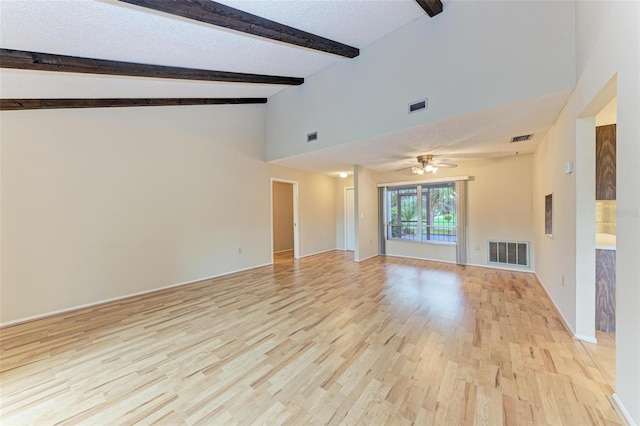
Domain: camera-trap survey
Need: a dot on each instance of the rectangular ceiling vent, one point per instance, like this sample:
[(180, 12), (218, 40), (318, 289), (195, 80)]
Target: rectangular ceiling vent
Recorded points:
[(312, 137), (514, 253), (416, 106), (521, 138)]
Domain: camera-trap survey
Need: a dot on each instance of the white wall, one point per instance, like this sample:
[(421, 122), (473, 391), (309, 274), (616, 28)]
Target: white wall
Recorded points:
[(102, 203), (519, 50), (366, 198), (607, 45), (497, 207), (341, 184)]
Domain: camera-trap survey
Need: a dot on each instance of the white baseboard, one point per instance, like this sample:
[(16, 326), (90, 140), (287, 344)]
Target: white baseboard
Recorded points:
[(584, 338), (502, 268), (126, 296), (529, 271), (370, 257), (318, 252), (623, 410), (420, 258), (564, 320)]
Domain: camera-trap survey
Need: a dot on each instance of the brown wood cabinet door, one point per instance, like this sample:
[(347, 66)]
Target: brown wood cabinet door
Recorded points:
[(606, 162), (606, 290)]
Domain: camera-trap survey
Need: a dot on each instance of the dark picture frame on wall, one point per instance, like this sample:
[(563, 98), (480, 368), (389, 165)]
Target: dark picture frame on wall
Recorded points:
[(548, 215)]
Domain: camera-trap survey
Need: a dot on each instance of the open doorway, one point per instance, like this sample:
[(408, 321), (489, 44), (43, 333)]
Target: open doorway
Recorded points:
[(284, 220), (596, 257), (605, 224)]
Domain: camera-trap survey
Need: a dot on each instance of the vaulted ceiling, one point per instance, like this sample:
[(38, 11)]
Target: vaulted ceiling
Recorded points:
[(185, 49), (119, 31)]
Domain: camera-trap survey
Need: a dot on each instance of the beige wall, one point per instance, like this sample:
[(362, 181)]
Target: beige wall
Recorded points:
[(317, 208), (103, 203), (497, 207), (606, 216), (282, 216), (608, 114), (607, 46)]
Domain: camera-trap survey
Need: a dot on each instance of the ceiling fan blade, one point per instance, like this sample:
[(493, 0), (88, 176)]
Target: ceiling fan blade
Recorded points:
[(404, 168), (445, 165)]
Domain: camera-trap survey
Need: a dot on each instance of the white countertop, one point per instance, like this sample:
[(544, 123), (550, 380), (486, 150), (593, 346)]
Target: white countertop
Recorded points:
[(605, 241)]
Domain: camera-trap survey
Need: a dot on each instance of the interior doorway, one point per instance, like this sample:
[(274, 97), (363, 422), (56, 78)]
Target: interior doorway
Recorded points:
[(349, 219), (596, 203), (284, 219)]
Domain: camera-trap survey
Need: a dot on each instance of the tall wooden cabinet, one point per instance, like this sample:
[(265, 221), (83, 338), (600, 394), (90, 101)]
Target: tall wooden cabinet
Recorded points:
[(606, 162)]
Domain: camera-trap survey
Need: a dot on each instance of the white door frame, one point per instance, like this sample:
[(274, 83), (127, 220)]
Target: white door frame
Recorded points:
[(346, 237), (296, 233)]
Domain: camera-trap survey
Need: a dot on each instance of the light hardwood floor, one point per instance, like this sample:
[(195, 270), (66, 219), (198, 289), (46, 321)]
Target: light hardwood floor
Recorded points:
[(604, 355), (315, 341)]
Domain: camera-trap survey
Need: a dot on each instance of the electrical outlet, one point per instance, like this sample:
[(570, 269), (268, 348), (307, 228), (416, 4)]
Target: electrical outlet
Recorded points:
[(478, 247), (240, 250)]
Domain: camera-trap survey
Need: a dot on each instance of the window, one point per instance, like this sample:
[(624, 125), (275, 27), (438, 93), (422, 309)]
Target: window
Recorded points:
[(422, 212)]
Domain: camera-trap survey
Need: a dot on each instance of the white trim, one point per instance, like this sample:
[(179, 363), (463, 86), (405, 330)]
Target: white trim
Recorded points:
[(584, 338), (319, 252), (418, 182), (527, 270), (623, 410), (362, 260), (420, 258), (126, 296), (296, 221), (282, 251), (346, 234), (564, 320), (426, 242)]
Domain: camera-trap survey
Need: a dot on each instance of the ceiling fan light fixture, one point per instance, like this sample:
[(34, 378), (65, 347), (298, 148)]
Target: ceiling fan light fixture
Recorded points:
[(427, 165)]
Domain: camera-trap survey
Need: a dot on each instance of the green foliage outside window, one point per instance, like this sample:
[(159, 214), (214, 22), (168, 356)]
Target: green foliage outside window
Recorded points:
[(438, 213)]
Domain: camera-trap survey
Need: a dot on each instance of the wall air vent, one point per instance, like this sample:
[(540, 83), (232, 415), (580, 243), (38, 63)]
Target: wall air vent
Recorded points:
[(417, 106), (508, 253), (312, 137), (521, 138)]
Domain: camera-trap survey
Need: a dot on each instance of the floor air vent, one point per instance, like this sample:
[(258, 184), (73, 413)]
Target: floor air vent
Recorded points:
[(508, 253)]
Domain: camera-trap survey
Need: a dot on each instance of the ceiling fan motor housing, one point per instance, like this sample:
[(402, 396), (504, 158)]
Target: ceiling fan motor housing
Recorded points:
[(425, 159)]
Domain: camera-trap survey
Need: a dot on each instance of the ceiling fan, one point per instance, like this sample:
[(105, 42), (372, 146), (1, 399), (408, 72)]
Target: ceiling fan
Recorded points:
[(426, 164)]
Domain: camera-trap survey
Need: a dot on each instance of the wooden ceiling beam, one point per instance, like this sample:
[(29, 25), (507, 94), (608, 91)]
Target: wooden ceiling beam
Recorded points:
[(218, 14), (432, 7), (25, 60), (22, 104)]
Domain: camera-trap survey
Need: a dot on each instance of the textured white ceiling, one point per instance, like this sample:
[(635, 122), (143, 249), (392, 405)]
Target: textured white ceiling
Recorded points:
[(108, 29)]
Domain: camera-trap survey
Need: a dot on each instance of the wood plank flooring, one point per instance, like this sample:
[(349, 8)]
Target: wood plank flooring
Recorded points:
[(321, 340), (604, 355)]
